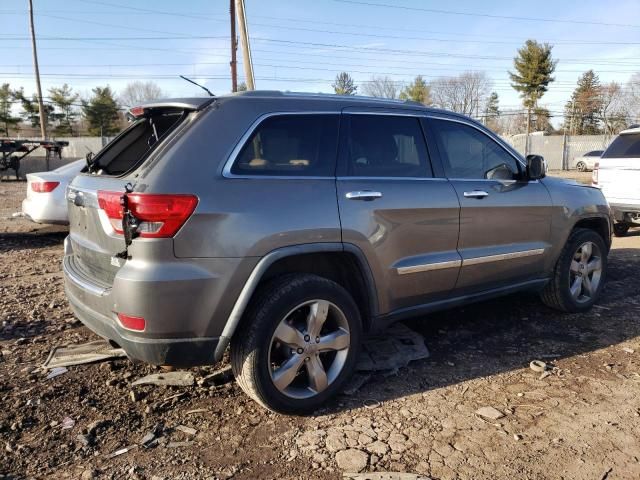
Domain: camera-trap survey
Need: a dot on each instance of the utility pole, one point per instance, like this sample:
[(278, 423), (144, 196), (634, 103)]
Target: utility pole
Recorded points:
[(43, 114), (526, 142), (234, 47), (246, 48)]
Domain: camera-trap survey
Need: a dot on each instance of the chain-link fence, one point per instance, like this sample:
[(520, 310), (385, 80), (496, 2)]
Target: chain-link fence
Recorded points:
[(558, 150)]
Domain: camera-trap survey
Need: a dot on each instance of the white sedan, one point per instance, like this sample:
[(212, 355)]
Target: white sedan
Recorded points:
[(46, 200)]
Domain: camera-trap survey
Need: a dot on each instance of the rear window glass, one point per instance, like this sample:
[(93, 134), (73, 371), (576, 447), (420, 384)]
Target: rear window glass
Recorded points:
[(624, 146), (128, 150), (291, 145)]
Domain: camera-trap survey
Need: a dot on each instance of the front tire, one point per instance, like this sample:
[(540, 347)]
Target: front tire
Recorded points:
[(298, 343), (579, 274)]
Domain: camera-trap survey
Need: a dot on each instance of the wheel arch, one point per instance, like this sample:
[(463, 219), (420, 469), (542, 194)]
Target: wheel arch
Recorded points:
[(343, 263), (599, 224)]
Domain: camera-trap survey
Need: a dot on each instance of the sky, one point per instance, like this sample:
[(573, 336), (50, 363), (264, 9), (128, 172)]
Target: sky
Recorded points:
[(301, 45)]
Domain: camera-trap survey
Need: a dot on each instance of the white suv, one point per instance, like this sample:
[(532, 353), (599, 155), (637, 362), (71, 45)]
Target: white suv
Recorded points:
[(618, 175)]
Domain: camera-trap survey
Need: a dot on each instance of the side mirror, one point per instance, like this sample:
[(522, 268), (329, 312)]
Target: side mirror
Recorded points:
[(536, 168)]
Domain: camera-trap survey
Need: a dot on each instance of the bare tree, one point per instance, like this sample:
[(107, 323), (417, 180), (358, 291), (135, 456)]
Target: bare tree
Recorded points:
[(382, 87), (633, 96), (613, 111), (465, 93), (138, 92)]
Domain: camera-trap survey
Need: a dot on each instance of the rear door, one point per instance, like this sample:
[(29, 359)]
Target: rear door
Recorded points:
[(619, 169), (393, 209), (505, 220)]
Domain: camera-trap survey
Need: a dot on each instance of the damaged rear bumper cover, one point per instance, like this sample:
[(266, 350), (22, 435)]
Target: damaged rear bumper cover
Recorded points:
[(179, 352)]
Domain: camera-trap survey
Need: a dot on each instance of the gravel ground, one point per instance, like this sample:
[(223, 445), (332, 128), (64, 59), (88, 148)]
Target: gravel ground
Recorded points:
[(579, 422)]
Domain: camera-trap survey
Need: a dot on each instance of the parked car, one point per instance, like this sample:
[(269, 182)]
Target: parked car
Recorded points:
[(587, 161), (287, 225), (46, 201), (618, 175)]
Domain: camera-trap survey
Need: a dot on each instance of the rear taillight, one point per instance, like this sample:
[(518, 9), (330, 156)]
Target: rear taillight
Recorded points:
[(44, 187), (594, 175), (131, 322), (160, 215)]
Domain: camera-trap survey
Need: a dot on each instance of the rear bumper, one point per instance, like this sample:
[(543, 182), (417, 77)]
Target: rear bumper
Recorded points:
[(183, 304), (620, 210), (41, 211), (181, 352)]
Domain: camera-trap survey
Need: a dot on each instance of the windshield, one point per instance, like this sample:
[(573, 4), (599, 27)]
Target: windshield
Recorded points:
[(624, 146)]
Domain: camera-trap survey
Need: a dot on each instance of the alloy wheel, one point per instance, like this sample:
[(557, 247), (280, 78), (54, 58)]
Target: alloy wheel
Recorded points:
[(585, 272), (308, 349)]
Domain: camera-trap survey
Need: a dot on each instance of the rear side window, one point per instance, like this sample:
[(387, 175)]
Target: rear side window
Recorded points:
[(624, 146), (468, 153), (291, 145), (595, 153), (386, 146)]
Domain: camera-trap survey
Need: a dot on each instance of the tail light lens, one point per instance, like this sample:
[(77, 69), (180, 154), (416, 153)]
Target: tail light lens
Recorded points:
[(160, 215), (44, 187), (594, 175), (131, 322)]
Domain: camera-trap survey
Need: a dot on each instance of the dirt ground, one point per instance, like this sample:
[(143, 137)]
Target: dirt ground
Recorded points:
[(579, 422)]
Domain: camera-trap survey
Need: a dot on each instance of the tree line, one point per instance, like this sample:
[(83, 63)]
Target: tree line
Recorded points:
[(594, 108), (68, 114)]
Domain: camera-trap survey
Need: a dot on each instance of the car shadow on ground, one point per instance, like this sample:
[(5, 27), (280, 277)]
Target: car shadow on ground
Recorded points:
[(506, 334), (44, 237)]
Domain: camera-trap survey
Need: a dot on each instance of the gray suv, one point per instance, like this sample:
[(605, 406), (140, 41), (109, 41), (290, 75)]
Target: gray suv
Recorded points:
[(287, 226)]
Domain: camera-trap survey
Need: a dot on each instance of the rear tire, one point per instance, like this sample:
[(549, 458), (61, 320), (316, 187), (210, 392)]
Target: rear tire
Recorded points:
[(620, 229), (297, 344), (581, 167), (579, 274)]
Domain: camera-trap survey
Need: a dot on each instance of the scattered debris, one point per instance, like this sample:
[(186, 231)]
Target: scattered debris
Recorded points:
[(490, 413), (55, 372), (371, 403), (176, 379), (80, 354), (196, 410), (356, 383), (392, 349), (179, 444), (538, 366), (384, 476), (187, 430), (628, 350), (122, 451), (219, 377), (67, 423), (517, 437), (148, 439)]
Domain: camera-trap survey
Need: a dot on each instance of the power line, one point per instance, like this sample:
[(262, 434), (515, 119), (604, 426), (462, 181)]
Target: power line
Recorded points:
[(487, 15)]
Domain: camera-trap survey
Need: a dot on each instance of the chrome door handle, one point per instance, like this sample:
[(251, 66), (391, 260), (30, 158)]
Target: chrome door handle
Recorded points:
[(476, 194), (363, 195)]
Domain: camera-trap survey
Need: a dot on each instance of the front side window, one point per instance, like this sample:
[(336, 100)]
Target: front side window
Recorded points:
[(291, 145), (468, 153), (386, 146), (624, 146)]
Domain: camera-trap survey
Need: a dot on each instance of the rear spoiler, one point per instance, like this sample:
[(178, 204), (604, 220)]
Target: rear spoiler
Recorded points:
[(188, 104)]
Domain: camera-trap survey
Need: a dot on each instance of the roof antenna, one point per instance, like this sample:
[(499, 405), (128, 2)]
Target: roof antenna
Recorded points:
[(197, 84)]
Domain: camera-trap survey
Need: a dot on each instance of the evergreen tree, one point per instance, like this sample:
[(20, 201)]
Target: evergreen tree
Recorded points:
[(31, 109), (64, 101), (417, 91), (343, 84), (492, 111), (101, 111), (7, 120), (534, 67), (582, 112)]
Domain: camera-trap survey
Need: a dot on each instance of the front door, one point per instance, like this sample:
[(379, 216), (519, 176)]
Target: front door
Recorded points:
[(392, 208), (505, 220)]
